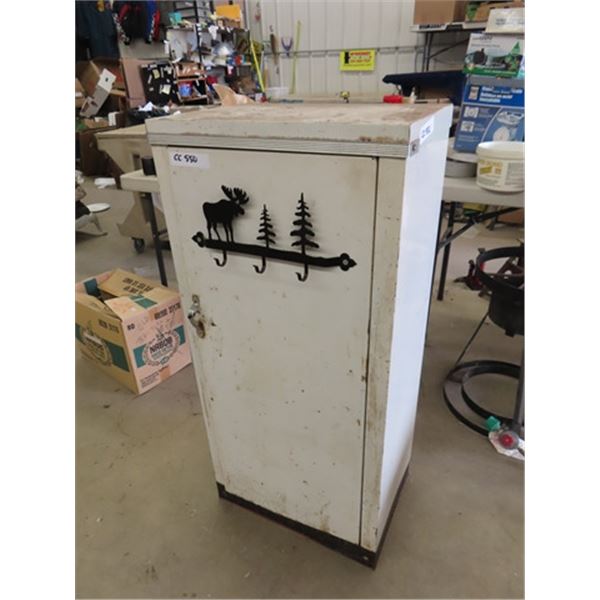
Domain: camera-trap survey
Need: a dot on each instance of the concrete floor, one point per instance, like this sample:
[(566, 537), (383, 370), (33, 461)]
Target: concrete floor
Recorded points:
[(150, 525)]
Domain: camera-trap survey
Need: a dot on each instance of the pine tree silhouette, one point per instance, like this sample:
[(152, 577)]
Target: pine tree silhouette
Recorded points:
[(266, 234), (304, 230), (265, 230), (303, 233)]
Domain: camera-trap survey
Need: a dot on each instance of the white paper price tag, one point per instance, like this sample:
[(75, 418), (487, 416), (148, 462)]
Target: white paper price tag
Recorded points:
[(426, 131), (182, 158)]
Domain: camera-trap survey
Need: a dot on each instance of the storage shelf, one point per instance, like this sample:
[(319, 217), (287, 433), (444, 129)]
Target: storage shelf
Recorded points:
[(456, 26), (180, 28), (465, 189), (184, 99)]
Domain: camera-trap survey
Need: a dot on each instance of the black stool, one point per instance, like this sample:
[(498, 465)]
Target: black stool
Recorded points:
[(507, 310)]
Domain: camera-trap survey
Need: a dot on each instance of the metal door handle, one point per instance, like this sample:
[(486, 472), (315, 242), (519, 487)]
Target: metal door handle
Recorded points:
[(195, 317)]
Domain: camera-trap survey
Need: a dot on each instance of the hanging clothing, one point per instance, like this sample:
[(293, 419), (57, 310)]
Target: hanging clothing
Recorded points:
[(137, 20), (95, 30), (152, 21)]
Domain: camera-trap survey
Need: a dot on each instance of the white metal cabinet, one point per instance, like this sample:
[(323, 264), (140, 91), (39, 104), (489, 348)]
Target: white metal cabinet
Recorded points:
[(309, 388)]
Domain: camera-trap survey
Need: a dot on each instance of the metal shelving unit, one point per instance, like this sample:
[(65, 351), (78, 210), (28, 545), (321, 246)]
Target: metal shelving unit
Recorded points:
[(196, 11), (430, 30)]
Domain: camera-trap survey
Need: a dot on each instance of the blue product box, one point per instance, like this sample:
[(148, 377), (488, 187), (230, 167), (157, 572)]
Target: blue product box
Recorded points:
[(493, 109)]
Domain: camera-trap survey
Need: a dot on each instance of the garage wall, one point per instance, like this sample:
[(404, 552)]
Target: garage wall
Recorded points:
[(327, 28)]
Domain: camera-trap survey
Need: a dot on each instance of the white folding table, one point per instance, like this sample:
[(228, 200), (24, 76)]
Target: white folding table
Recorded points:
[(465, 189)]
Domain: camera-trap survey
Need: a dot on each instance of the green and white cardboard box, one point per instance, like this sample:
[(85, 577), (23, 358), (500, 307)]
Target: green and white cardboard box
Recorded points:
[(494, 55), (131, 328)]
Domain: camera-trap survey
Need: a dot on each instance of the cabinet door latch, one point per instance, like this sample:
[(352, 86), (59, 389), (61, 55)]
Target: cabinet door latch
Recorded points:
[(195, 316)]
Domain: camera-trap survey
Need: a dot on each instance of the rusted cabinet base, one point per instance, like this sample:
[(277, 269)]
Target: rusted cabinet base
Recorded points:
[(353, 551)]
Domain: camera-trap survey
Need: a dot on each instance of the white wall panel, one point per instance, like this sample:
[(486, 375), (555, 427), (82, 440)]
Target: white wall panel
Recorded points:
[(334, 23), (329, 26), (369, 36), (300, 12), (317, 38)]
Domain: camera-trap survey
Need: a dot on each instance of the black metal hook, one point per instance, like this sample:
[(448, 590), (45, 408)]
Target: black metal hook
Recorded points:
[(303, 276), (224, 262), (263, 266)]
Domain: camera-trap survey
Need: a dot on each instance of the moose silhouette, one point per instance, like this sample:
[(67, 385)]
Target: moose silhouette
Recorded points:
[(224, 211)]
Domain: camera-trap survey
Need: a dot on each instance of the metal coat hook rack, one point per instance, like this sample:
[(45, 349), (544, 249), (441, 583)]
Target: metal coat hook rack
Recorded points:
[(224, 212)]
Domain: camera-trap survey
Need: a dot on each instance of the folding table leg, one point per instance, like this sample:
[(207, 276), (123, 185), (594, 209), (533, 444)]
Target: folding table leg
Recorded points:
[(446, 257), (151, 214)]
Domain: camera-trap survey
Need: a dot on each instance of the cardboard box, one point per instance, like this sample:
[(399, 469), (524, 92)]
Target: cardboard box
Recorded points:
[(494, 55), (116, 102), (92, 75), (79, 94), (506, 20), (88, 72), (114, 66), (131, 328), (93, 161), (483, 10), (230, 12), (492, 110), (93, 103), (436, 12)]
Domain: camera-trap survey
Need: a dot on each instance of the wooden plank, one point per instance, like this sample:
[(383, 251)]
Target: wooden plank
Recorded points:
[(136, 181)]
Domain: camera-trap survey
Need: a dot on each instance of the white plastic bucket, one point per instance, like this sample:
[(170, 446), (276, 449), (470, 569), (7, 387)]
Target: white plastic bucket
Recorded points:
[(501, 166), (278, 92)]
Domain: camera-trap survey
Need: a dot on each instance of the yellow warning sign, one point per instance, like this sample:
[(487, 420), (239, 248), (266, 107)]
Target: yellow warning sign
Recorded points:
[(357, 60)]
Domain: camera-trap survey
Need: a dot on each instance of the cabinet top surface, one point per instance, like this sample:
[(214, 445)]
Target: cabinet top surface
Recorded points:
[(377, 123), (135, 131)]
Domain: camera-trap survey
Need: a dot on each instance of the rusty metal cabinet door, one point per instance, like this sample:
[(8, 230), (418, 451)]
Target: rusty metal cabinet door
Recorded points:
[(281, 364)]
